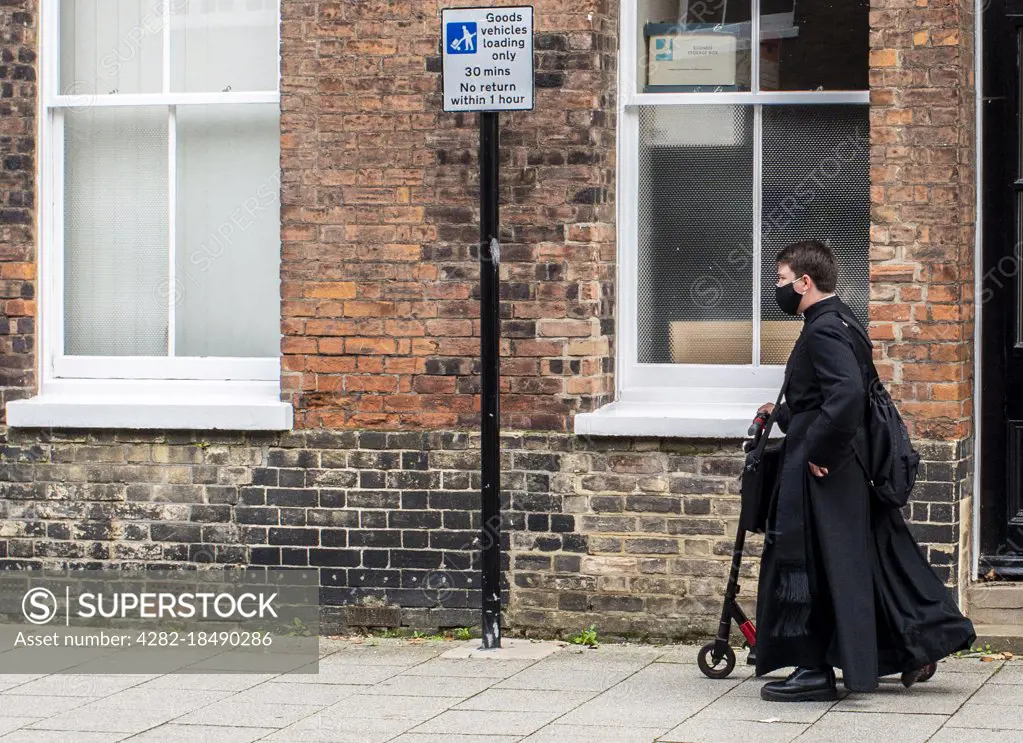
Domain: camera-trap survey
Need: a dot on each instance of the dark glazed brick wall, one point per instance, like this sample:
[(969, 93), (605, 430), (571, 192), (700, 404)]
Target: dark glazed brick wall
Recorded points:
[(635, 536), (17, 198)]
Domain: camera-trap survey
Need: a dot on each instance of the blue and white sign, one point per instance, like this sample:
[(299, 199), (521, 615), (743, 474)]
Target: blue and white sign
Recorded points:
[(461, 38), (488, 59)]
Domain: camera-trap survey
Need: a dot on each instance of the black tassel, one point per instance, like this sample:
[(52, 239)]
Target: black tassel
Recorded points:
[(794, 603), (793, 586), (793, 620)]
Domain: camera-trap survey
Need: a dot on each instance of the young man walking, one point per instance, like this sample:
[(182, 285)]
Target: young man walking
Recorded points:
[(842, 582)]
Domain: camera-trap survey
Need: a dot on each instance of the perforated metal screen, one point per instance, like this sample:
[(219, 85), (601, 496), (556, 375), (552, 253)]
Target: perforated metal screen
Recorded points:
[(695, 222), (816, 185), (695, 234)]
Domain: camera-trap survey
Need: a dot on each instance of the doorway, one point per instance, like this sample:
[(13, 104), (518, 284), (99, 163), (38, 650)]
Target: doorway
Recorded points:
[(1001, 276)]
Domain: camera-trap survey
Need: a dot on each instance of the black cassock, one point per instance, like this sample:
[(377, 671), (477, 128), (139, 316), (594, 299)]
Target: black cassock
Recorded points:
[(877, 607)]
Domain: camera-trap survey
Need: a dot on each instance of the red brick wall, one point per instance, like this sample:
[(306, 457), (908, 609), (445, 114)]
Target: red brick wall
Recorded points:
[(17, 198), (380, 207), (380, 221), (924, 209)]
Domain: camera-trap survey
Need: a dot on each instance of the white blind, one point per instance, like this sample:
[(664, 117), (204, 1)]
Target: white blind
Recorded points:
[(228, 246), (172, 218), (111, 45), (115, 232)]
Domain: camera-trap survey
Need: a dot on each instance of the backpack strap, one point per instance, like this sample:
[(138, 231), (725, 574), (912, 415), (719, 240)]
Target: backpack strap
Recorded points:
[(765, 434), (853, 324)]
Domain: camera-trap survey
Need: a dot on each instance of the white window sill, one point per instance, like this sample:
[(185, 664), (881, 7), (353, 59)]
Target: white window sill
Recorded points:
[(678, 413), (147, 404)]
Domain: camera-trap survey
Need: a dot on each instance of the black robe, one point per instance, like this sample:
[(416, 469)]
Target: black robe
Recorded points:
[(878, 608)]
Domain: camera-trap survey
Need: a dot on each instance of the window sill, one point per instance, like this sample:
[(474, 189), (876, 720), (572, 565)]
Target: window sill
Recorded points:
[(703, 414), (133, 405)]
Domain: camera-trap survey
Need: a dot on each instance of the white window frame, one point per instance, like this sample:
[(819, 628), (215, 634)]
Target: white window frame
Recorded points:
[(136, 391), (688, 400)]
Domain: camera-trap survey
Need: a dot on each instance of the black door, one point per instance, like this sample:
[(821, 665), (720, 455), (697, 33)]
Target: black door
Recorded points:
[(1001, 490)]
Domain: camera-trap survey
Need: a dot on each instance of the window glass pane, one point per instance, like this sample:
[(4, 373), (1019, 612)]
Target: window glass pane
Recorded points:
[(224, 45), (693, 46), (816, 187), (115, 232), (695, 217), (814, 44), (109, 46), (228, 249)]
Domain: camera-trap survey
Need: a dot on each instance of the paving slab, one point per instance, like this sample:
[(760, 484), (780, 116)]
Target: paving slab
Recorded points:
[(174, 701), (273, 692), (60, 736), (976, 735), (511, 649), (7, 724), (943, 694), (578, 671), (208, 681), (989, 716), (472, 722), (247, 661), (153, 660), (1009, 674), (659, 695), (746, 707), (330, 645), (455, 686), (409, 691), (26, 705), (81, 685), (100, 720), (472, 668), (248, 715), (842, 727), (968, 665), (997, 694), (449, 738), (717, 730), (526, 700), (546, 677), (331, 671), (686, 654), (556, 733), (383, 707), (385, 652), (174, 733), (353, 730)]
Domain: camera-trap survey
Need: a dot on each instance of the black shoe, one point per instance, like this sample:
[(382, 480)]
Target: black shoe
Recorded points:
[(803, 685), (911, 677)]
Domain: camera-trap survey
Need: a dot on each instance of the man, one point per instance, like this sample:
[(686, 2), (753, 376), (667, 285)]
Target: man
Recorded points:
[(842, 582)]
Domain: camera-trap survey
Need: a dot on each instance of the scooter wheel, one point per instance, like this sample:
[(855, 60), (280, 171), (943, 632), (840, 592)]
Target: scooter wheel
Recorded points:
[(723, 667), (927, 671)]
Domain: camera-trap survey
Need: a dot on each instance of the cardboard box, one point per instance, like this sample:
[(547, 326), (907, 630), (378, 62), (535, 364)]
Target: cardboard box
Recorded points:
[(691, 59)]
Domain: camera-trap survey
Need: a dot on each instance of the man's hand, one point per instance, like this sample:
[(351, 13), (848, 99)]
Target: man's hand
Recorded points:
[(818, 471), (767, 407)]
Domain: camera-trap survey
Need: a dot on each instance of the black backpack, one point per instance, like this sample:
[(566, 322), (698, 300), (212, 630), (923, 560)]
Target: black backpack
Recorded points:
[(892, 462)]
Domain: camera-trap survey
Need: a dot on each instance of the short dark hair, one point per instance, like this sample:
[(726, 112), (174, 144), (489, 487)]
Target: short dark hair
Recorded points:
[(813, 258)]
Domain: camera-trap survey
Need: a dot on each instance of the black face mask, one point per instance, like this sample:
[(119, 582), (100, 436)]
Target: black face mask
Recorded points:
[(788, 298)]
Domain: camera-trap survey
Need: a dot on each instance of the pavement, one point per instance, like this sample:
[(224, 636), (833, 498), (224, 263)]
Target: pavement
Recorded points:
[(372, 690)]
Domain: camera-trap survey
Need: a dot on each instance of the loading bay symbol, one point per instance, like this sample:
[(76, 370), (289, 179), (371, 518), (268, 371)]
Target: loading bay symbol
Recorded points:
[(461, 38)]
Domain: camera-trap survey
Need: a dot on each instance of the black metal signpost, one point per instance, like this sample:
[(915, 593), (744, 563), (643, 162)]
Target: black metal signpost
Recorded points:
[(488, 67), (490, 353)]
